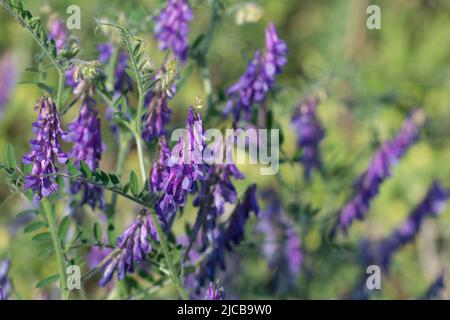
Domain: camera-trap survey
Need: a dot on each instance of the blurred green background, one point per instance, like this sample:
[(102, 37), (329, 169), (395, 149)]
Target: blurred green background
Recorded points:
[(368, 79)]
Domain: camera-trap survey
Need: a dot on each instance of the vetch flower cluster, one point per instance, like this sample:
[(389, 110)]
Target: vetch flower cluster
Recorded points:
[(215, 239), (258, 79), (433, 204), (85, 133), (182, 169), (157, 116), (368, 184), (134, 244), (214, 292), (217, 188), (57, 32), (235, 231), (282, 245), (122, 80), (172, 28), (45, 149), (309, 135)]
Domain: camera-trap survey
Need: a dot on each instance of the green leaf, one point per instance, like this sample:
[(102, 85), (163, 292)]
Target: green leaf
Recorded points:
[(126, 187), (134, 184), (45, 87), (25, 213), (111, 234), (41, 237), (84, 168), (131, 73), (114, 179), (63, 227), (104, 177), (98, 232), (72, 169), (46, 253), (11, 157), (34, 226), (47, 281), (42, 212)]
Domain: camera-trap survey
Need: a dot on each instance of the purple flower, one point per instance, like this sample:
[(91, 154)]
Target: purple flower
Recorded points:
[(184, 167), (292, 250), (436, 288), (212, 240), (85, 133), (58, 32), (217, 188), (309, 134), (368, 184), (97, 255), (235, 231), (172, 28), (156, 117), (70, 78), (158, 175), (134, 244), (214, 292), (5, 282), (45, 148), (8, 77), (105, 51), (258, 79), (276, 51), (218, 239), (215, 239), (282, 244), (433, 204), (123, 81), (159, 171)]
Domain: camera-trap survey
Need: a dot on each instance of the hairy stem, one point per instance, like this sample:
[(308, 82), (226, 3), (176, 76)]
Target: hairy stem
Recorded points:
[(165, 249), (61, 80), (26, 25), (111, 69), (141, 158), (58, 249)]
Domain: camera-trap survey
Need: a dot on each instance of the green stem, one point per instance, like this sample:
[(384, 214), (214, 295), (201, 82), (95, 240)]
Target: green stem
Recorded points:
[(123, 142), (137, 137), (165, 249), (137, 133), (111, 69), (122, 152), (162, 239), (161, 235), (141, 158), (26, 25), (61, 80), (202, 60), (140, 110), (204, 71), (58, 249)]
